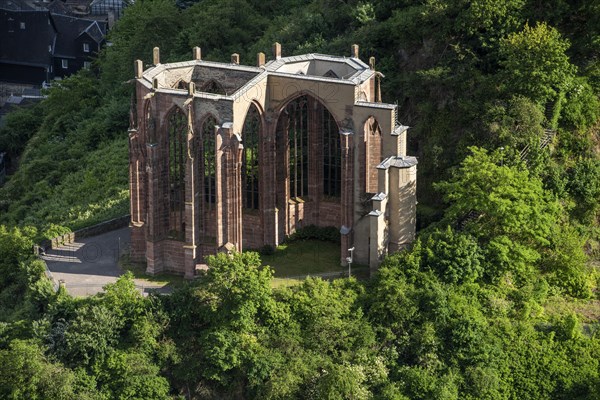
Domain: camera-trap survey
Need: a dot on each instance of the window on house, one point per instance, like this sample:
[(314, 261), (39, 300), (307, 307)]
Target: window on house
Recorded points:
[(250, 135), (177, 131), (86, 47), (22, 25), (65, 64), (208, 162), (87, 64), (332, 156)]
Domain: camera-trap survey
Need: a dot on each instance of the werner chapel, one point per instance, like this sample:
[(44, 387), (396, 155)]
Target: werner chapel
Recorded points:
[(228, 157)]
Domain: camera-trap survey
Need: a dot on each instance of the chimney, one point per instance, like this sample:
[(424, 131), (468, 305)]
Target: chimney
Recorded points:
[(197, 53), (138, 67), (372, 63), (354, 51), (235, 58), (156, 56), (260, 59), (277, 50), (111, 19)]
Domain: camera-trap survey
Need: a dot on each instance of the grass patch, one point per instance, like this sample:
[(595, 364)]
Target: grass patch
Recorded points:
[(139, 272), (588, 310), (278, 283), (304, 257)]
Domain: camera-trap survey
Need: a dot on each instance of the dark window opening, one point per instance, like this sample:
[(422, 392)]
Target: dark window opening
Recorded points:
[(332, 158), (177, 131), (297, 114), (208, 160), (212, 86), (250, 134), (330, 74)]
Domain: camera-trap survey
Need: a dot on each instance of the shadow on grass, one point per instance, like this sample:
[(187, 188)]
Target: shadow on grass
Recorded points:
[(303, 258)]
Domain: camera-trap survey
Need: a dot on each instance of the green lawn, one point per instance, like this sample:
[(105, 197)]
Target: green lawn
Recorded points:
[(304, 257), (139, 272)]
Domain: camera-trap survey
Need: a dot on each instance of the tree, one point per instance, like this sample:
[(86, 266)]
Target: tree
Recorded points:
[(27, 374), (535, 63), (515, 214), (144, 25), (455, 257)]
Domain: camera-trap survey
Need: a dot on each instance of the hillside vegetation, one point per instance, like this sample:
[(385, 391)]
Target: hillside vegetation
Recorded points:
[(496, 299)]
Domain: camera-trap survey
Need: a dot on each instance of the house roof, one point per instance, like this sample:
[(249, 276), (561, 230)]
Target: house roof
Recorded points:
[(32, 38), (69, 29), (58, 7), (96, 31), (26, 37), (16, 5)]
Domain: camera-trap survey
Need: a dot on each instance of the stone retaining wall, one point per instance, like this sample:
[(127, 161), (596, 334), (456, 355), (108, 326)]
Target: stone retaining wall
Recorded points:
[(102, 227)]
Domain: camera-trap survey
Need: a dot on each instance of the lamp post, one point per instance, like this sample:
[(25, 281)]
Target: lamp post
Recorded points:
[(502, 156), (349, 261)]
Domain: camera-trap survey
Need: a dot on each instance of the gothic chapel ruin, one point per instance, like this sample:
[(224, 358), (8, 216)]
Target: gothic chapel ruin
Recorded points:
[(227, 157)]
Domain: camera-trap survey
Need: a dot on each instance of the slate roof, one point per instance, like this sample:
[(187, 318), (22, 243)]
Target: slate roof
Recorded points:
[(70, 28), (33, 38), (16, 5), (28, 46), (58, 7)]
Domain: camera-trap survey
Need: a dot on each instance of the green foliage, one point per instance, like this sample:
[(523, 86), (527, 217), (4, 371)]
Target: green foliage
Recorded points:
[(143, 26), (455, 257), (459, 315), (326, 234), (203, 26), (27, 374), (583, 183), (18, 127), (582, 107), (535, 62)]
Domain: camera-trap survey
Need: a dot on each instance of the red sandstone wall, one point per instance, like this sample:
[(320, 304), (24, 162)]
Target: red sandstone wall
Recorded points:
[(252, 232), (330, 214)]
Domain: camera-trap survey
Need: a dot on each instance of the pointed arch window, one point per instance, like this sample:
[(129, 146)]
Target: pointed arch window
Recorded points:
[(150, 125), (250, 134), (177, 133), (330, 74), (332, 158), (297, 113), (208, 161), (373, 153), (213, 86)]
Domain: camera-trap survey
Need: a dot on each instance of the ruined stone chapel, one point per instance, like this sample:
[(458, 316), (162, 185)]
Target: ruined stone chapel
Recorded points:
[(227, 157)]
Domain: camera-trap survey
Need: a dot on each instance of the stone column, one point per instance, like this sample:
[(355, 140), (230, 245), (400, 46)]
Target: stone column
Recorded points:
[(190, 202), (403, 203), (268, 180), (154, 264), (229, 191), (315, 164), (136, 171), (220, 209), (347, 203)]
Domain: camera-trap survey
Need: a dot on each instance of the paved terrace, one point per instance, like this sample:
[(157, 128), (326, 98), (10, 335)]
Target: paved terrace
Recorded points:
[(88, 264)]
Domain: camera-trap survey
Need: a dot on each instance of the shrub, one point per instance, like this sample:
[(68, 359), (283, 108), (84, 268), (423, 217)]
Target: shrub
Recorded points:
[(326, 234)]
